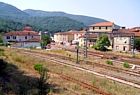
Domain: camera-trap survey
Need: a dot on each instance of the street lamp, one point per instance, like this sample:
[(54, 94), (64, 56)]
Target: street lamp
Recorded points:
[(77, 49)]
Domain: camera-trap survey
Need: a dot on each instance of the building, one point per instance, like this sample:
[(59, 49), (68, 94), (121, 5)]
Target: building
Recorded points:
[(122, 42), (102, 27), (42, 34), (71, 36), (90, 41), (63, 37), (21, 36), (31, 42)]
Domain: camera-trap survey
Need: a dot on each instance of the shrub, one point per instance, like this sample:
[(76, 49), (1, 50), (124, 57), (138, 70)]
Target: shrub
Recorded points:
[(38, 67), (42, 85), (5, 44), (32, 47), (126, 65), (2, 53), (109, 62), (18, 59)]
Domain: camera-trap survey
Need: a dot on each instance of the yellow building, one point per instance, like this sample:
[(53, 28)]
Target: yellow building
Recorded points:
[(63, 37), (90, 41), (69, 36), (102, 27)]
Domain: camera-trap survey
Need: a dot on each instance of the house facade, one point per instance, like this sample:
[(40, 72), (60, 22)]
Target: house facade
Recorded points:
[(102, 27), (122, 42), (63, 37), (21, 36), (31, 42), (68, 37), (90, 41)]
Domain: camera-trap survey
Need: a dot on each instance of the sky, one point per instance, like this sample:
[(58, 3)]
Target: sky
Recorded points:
[(121, 12)]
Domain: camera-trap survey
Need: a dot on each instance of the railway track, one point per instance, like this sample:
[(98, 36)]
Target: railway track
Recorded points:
[(111, 77), (81, 83), (75, 81), (109, 67), (115, 58)]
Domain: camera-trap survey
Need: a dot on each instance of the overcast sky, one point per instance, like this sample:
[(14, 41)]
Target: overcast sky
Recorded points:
[(122, 12)]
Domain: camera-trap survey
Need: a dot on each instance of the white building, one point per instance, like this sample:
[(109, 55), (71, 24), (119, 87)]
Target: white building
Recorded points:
[(31, 42), (22, 36)]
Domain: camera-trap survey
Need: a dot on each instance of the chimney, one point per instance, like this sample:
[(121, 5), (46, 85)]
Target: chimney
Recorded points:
[(122, 27)]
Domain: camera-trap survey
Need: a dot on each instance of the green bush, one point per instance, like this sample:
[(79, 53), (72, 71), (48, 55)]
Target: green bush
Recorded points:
[(38, 67), (126, 65), (32, 47), (109, 62), (18, 59), (2, 53), (5, 44)]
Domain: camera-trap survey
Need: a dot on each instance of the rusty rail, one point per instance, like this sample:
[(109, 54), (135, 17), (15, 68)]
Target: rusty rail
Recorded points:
[(98, 72)]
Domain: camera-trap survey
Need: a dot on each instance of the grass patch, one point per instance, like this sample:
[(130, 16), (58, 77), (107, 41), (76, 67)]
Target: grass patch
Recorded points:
[(38, 67), (18, 59), (126, 65), (109, 62), (2, 53), (75, 86)]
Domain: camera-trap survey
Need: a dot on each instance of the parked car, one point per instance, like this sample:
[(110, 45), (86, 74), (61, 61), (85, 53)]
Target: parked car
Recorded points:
[(48, 46)]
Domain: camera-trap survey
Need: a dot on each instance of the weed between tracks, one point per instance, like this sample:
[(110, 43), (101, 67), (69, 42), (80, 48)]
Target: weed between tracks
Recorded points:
[(102, 83)]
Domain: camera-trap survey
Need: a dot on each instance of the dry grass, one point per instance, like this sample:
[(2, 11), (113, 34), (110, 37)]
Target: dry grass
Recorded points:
[(103, 83)]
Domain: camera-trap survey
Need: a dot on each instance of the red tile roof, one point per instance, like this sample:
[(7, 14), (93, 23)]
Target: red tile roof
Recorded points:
[(22, 33), (32, 40), (103, 24), (63, 33), (90, 36), (129, 31), (71, 32)]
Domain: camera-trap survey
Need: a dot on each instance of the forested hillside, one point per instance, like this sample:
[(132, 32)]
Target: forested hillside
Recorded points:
[(54, 23), (84, 19), (15, 19), (51, 24), (9, 25)]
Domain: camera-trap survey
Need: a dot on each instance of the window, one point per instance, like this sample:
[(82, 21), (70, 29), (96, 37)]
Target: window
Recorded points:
[(25, 37), (8, 37), (93, 28), (124, 40), (117, 47), (14, 37), (106, 27), (117, 39), (124, 48), (100, 28)]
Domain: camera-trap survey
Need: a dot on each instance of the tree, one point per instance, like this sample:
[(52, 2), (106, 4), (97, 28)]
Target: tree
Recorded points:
[(102, 43), (137, 43), (45, 40)]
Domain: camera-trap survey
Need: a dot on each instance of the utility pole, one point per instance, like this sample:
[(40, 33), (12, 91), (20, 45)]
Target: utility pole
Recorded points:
[(85, 43), (77, 49), (132, 44)]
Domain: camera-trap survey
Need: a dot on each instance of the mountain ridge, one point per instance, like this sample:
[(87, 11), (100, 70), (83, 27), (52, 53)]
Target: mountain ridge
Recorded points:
[(87, 20), (46, 21)]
